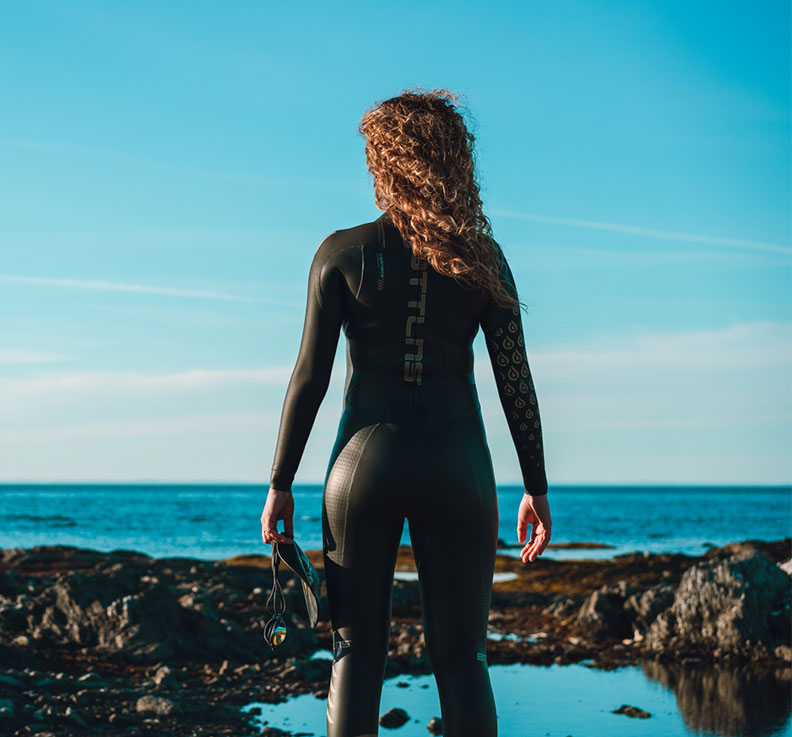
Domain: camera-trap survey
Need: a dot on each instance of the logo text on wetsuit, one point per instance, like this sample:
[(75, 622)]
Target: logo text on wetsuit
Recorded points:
[(413, 362), (380, 272)]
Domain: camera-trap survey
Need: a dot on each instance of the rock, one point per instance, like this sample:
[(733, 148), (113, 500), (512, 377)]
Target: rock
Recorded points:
[(408, 648), (632, 711), (783, 652), (74, 717), (163, 677), (603, 614), (10, 681), (92, 678), (735, 605), (435, 725), (115, 605), (45, 713), (120, 720), (645, 606), (156, 705), (394, 718), (562, 607), (45, 682)]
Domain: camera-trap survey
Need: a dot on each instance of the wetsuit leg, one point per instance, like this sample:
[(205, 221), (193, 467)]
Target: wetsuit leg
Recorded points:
[(362, 522), (453, 527)]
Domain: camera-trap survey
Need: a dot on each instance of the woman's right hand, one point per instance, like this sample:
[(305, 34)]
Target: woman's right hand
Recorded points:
[(534, 511)]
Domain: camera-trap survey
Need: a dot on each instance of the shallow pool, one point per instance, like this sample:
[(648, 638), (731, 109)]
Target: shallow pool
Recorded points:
[(572, 700)]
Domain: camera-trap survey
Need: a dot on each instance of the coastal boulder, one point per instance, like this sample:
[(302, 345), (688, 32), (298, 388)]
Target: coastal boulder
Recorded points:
[(604, 614), (644, 607), (734, 605)]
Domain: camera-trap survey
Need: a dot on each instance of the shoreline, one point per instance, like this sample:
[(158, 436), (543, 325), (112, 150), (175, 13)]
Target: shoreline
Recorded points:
[(105, 643)]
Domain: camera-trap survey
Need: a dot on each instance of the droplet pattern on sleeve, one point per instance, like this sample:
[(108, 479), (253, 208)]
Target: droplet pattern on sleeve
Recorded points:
[(506, 346)]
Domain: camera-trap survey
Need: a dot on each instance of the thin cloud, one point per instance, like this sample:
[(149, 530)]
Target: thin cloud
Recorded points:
[(108, 382), (635, 230), (20, 356), (138, 288), (146, 427)]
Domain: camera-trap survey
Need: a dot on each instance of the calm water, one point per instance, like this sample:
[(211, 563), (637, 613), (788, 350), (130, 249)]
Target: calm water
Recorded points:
[(578, 701), (214, 521)]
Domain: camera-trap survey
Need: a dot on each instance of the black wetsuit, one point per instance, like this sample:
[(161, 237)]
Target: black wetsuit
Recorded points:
[(411, 445)]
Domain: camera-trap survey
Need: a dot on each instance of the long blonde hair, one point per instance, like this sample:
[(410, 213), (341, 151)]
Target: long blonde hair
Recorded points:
[(420, 153)]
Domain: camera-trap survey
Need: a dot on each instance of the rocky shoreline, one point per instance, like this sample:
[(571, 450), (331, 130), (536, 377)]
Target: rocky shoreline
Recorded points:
[(120, 643)]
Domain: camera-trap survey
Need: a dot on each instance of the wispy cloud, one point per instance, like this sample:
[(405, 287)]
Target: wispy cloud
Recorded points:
[(21, 356), (100, 383), (139, 288), (736, 377), (146, 427), (650, 232)]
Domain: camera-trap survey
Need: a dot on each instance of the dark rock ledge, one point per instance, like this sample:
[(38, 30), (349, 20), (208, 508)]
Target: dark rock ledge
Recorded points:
[(121, 643)]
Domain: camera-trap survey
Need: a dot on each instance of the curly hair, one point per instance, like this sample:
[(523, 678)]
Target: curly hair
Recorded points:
[(420, 153)]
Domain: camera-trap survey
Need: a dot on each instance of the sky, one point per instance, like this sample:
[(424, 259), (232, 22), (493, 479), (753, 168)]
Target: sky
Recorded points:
[(169, 169)]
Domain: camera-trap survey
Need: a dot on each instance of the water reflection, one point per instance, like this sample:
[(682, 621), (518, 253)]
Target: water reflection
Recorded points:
[(683, 700), (729, 701)]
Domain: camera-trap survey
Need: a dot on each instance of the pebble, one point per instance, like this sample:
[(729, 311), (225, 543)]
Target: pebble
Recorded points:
[(394, 718), (435, 725), (156, 705)]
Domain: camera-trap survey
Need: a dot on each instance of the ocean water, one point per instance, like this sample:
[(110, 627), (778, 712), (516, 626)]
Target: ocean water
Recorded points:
[(216, 521)]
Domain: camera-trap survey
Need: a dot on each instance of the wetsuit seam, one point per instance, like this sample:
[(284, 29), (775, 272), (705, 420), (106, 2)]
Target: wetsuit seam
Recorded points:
[(362, 269), (329, 262), (352, 476)]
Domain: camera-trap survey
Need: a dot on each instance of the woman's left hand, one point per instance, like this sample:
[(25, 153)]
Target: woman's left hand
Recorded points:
[(279, 506)]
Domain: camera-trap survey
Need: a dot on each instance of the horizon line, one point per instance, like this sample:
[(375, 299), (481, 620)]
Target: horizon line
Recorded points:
[(162, 482)]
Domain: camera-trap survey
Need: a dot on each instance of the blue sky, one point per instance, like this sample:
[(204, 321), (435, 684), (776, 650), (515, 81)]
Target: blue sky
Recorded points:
[(170, 168)]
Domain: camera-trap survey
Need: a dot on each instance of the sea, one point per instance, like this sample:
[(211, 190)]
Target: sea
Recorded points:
[(217, 521)]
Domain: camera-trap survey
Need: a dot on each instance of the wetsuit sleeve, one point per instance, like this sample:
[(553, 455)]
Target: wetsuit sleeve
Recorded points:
[(311, 375), (503, 331)]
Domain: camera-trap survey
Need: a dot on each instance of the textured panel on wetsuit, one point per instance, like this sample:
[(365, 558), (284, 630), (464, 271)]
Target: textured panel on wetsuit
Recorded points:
[(337, 490), (506, 346)]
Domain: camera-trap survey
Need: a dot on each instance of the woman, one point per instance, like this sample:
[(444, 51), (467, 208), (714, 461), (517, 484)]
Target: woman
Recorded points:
[(410, 290)]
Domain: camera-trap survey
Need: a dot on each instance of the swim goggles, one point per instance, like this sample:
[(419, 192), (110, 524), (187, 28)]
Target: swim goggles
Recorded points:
[(293, 556)]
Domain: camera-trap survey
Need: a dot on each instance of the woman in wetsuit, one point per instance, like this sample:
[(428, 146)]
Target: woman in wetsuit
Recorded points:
[(410, 290)]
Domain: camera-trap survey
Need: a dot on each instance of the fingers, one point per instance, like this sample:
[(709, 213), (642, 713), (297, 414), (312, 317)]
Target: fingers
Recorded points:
[(269, 529), (522, 527), (540, 537), (530, 552), (271, 534), (523, 517)]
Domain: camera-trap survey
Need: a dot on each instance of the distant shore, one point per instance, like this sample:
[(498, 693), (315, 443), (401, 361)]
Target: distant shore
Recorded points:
[(175, 645)]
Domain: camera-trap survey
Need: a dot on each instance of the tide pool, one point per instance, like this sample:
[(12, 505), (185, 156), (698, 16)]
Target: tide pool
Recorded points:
[(578, 701)]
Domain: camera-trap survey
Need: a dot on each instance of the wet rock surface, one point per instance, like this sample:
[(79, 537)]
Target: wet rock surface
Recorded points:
[(120, 643)]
